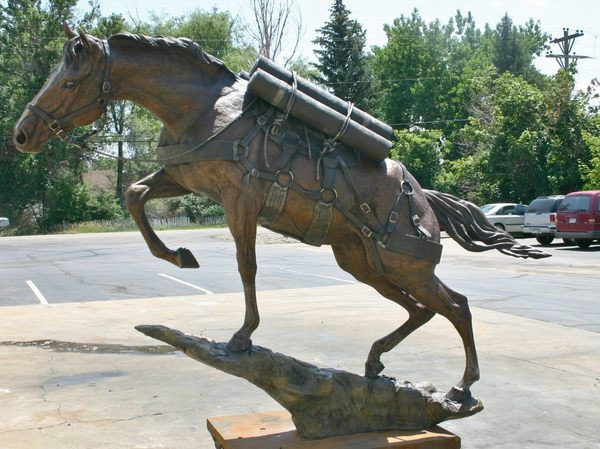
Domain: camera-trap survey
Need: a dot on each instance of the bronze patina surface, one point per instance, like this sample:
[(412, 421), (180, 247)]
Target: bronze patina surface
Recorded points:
[(198, 98), (325, 402)]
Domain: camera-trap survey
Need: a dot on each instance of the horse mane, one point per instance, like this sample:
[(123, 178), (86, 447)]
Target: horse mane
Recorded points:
[(182, 45)]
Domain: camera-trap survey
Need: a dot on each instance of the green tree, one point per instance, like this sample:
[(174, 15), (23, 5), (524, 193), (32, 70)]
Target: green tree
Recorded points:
[(567, 122), (31, 40), (421, 151), (421, 67), (342, 61), (515, 47)]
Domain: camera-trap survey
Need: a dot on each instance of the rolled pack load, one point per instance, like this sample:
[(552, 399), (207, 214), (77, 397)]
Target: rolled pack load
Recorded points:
[(319, 116), (322, 96)]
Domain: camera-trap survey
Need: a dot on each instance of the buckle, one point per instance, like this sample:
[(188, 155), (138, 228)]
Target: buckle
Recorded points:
[(62, 135), (261, 120), (106, 87), (54, 126), (393, 217), (237, 154), (416, 220), (366, 232), (365, 208)]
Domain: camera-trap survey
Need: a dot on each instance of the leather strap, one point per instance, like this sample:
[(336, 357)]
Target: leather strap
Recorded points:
[(321, 223), (216, 150), (414, 246)]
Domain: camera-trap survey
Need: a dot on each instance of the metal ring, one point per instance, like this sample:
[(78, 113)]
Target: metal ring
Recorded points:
[(407, 188), (324, 191), (284, 173)]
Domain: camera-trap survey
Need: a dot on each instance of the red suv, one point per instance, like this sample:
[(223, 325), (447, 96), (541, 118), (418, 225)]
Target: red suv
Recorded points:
[(578, 217)]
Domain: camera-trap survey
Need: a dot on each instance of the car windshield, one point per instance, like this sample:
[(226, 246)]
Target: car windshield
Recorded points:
[(542, 206), (576, 203), (488, 207)]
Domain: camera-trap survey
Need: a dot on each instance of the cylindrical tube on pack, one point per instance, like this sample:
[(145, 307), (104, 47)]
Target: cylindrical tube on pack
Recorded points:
[(323, 96), (314, 113)]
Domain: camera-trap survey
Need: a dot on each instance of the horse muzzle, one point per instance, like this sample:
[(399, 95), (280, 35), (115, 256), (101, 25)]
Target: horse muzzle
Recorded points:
[(26, 135)]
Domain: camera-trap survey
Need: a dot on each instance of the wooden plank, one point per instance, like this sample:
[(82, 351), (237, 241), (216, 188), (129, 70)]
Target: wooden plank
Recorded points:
[(275, 430)]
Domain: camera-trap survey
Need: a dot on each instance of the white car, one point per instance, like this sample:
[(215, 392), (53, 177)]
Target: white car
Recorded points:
[(4, 222), (540, 219), (506, 216)]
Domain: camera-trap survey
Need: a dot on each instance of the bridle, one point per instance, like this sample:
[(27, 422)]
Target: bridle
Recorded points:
[(56, 124)]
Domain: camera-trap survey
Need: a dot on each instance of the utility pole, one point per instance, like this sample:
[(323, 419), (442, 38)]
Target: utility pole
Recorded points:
[(566, 45)]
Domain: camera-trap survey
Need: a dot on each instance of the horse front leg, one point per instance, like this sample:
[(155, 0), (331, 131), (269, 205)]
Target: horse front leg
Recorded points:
[(242, 219), (157, 185)]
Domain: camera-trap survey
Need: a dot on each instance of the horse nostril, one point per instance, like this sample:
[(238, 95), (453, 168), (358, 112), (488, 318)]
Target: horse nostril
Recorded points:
[(21, 138)]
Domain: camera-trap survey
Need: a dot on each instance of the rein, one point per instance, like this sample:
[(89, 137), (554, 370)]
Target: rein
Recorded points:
[(83, 144)]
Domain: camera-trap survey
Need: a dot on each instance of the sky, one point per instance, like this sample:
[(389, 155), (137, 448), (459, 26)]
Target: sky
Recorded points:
[(554, 15)]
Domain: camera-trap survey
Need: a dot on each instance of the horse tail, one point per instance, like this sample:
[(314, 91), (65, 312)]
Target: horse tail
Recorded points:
[(465, 223)]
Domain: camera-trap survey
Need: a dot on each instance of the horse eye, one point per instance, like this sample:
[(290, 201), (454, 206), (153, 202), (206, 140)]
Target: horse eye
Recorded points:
[(69, 84)]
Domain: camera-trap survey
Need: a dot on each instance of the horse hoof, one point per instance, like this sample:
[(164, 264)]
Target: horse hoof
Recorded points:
[(372, 369), (239, 343), (457, 394), (185, 259)]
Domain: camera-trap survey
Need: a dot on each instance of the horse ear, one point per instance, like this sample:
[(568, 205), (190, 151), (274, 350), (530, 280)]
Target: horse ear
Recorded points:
[(84, 39), (68, 31)]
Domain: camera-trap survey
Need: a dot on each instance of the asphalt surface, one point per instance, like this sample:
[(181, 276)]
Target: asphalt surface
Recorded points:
[(562, 289)]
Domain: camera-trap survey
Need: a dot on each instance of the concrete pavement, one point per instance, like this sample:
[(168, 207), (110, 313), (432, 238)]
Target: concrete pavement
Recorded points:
[(540, 381)]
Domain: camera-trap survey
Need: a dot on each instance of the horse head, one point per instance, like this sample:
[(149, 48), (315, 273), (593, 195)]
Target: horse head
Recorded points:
[(74, 94)]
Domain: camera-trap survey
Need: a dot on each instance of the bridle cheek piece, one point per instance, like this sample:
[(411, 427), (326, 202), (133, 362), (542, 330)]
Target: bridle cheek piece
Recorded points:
[(56, 125)]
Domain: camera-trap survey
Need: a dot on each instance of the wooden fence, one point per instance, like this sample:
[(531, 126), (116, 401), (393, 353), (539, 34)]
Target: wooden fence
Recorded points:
[(160, 223)]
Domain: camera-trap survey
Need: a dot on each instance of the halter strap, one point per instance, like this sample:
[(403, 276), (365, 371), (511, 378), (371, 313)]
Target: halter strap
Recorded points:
[(56, 124)]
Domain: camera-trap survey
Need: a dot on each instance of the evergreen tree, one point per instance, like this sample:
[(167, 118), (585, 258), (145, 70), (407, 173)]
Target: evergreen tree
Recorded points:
[(342, 59), (515, 47)]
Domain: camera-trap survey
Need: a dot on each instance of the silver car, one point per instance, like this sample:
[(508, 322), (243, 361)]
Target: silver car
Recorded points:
[(506, 216), (4, 222)]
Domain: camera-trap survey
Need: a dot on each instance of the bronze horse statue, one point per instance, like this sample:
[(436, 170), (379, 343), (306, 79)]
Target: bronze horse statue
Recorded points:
[(198, 99)]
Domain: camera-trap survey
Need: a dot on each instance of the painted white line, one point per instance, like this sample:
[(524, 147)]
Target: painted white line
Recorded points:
[(320, 276), (36, 292), (208, 292)]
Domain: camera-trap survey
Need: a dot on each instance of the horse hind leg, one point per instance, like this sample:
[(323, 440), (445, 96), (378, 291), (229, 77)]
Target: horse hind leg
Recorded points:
[(435, 295), (352, 258), (157, 185), (417, 317)]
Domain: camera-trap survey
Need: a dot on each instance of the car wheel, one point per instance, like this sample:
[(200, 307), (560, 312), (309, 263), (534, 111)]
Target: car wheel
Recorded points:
[(569, 242), (500, 226), (544, 239), (583, 243)]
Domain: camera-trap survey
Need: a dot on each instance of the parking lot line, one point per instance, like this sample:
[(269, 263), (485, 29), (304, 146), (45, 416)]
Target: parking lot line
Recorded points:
[(36, 292), (320, 276), (208, 292)]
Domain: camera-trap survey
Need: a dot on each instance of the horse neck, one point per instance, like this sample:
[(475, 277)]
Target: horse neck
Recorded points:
[(177, 90)]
